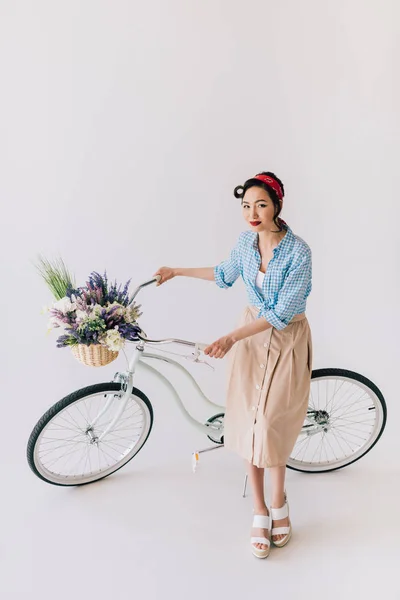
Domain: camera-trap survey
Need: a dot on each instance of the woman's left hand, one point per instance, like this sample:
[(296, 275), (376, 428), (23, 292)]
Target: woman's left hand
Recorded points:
[(219, 348)]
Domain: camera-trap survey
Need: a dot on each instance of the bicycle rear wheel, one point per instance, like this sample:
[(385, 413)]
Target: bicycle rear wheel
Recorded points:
[(345, 419), (65, 449)]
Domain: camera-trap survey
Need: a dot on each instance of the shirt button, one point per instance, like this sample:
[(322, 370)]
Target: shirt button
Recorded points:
[(265, 345), (262, 366), (253, 408), (257, 387)]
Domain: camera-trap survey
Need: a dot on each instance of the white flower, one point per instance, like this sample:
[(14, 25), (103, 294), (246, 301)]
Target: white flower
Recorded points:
[(80, 315), (53, 322), (113, 340), (65, 305), (94, 314)]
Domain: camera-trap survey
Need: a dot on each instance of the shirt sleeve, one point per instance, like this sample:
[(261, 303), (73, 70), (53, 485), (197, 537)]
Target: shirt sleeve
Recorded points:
[(291, 298), (227, 272)]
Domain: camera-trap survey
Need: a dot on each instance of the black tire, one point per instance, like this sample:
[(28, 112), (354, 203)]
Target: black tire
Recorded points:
[(319, 373), (67, 401)]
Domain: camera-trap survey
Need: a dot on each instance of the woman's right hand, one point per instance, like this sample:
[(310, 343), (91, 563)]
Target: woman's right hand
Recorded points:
[(166, 273)]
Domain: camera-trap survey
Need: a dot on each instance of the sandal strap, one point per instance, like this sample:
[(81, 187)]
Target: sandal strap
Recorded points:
[(280, 530), (262, 521), (260, 540), (280, 513)]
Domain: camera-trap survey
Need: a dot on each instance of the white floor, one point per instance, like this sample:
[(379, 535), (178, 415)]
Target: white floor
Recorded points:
[(156, 530)]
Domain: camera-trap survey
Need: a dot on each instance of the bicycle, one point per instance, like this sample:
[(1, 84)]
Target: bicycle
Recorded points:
[(95, 431)]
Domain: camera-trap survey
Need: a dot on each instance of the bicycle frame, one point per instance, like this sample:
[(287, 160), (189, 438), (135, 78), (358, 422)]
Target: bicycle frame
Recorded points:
[(126, 378)]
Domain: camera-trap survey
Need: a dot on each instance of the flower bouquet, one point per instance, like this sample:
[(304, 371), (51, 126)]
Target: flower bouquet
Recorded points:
[(97, 319)]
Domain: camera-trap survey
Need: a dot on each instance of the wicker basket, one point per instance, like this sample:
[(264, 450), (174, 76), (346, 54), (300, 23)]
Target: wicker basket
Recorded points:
[(94, 355)]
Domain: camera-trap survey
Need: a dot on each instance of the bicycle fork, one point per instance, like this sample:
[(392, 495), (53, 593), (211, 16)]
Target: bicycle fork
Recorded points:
[(126, 380)]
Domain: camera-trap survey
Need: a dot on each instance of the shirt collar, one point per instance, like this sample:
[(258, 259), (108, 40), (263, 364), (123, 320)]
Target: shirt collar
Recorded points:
[(284, 243)]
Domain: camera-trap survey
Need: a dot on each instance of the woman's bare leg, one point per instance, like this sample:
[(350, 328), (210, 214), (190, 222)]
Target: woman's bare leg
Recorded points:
[(277, 477), (256, 478)]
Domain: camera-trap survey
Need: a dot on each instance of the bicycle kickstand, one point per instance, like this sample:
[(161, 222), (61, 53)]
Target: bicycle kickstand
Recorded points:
[(196, 455)]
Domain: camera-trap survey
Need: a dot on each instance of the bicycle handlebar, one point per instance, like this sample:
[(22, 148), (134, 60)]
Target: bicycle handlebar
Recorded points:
[(142, 285), (196, 345), (199, 347)]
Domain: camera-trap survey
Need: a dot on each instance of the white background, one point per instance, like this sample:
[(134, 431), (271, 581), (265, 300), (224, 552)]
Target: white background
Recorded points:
[(125, 127)]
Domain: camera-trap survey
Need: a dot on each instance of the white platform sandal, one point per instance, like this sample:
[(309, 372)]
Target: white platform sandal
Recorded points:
[(276, 515), (262, 522)]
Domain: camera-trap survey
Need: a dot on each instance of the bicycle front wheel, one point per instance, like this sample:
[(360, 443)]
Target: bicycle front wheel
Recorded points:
[(68, 446), (345, 419)]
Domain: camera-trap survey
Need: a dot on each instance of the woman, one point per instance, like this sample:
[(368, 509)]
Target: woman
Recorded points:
[(270, 353)]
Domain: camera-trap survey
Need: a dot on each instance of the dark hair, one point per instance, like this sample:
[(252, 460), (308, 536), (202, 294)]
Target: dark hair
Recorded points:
[(240, 191)]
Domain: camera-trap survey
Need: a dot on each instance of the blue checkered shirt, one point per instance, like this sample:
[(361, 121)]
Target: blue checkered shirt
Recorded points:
[(287, 282)]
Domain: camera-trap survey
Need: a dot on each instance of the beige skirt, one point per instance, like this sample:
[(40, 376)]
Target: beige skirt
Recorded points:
[(269, 377)]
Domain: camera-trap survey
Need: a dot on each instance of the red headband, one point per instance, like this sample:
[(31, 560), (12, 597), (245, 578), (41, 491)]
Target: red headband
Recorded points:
[(272, 183)]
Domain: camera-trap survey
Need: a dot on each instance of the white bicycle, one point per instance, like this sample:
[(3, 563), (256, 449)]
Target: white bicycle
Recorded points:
[(96, 430)]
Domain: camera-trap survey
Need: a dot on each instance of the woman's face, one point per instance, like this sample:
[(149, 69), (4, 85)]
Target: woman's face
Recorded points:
[(258, 209)]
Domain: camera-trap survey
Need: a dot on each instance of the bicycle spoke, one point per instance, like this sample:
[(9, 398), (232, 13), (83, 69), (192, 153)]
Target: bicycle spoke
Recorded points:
[(306, 443), (340, 422), (70, 448)]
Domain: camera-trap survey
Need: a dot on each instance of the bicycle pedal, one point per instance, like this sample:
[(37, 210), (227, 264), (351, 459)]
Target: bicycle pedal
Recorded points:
[(195, 460), (196, 454)]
